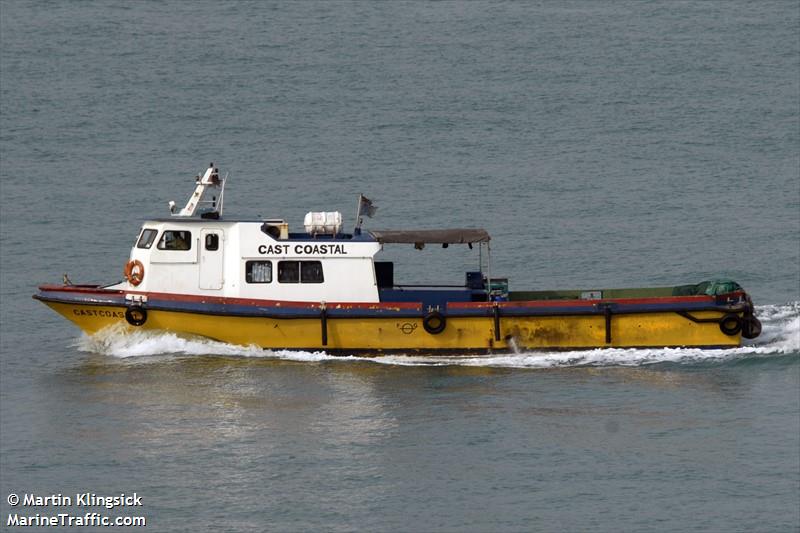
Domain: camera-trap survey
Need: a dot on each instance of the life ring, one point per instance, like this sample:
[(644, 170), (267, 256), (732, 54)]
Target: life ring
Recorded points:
[(751, 327), (136, 315), (730, 324), (434, 322), (134, 272)]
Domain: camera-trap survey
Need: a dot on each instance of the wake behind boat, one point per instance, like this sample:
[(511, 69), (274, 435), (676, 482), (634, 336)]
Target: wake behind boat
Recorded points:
[(255, 282)]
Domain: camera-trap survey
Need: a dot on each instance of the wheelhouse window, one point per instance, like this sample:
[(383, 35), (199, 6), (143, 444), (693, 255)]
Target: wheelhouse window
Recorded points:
[(212, 242), (289, 271), (300, 272), (146, 238), (258, 271), (175, 240)]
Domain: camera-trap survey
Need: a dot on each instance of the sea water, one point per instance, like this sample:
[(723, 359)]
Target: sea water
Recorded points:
[(601, 144)]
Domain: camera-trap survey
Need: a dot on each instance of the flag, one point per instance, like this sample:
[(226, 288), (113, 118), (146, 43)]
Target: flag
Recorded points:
[(365, 206)]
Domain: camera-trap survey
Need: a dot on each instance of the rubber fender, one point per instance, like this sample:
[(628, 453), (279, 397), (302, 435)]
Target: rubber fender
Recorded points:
[(730, 324), (434, 322), (136, 315), (751, 327)]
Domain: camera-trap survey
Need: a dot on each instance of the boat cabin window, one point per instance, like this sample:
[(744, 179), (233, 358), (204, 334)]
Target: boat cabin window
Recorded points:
[(212, 242), (146, 239), (311, 272), (258, 271), (289, 272), (175, 240), (300, 272)]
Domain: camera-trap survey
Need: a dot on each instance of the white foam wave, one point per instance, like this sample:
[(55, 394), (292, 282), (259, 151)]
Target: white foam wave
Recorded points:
[(780, 336), (119, 342)]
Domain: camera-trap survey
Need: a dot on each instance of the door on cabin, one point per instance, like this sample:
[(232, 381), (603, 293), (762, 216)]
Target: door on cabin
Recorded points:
[(211, 268)]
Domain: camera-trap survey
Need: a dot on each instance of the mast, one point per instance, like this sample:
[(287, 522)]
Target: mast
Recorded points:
[(210, 180)]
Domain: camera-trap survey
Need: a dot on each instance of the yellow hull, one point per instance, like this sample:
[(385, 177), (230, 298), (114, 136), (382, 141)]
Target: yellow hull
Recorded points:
[(659, 329)]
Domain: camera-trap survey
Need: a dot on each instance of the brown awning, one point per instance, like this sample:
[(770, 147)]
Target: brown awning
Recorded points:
[(432, 236)]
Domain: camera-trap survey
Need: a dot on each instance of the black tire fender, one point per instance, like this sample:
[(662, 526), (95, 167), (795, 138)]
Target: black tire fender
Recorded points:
[(751, 327), (136, 315), (730, 324), (434, 322)]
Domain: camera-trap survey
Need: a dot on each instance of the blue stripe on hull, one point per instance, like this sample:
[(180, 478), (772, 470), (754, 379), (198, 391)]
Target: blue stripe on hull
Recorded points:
[(342, 310)]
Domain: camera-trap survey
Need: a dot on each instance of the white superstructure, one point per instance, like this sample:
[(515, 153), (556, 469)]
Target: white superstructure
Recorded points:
[(195, 252), (240, 259)]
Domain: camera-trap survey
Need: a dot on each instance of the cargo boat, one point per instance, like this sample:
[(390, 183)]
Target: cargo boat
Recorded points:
[(253, 282)]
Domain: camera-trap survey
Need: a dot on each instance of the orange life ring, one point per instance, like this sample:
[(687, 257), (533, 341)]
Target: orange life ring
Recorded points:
[(134, 272)]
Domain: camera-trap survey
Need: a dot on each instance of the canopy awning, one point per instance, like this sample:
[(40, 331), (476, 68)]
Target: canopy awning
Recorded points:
[(432, 236)]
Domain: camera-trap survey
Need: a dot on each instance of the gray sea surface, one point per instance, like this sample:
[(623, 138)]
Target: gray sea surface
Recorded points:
[(602, 144)]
